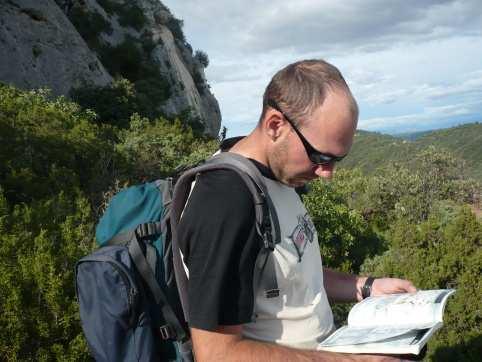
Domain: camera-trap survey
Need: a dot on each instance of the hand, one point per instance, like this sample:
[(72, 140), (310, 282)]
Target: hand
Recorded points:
[(383, 286)]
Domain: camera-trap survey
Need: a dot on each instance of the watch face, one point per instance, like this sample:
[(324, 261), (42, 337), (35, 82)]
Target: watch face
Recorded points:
[(367, 287)]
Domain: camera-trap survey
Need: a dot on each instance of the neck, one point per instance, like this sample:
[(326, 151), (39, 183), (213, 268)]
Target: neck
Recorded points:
[(252, 146)]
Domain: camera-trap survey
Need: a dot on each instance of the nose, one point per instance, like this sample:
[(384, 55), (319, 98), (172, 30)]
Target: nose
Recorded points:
[(325, 171)]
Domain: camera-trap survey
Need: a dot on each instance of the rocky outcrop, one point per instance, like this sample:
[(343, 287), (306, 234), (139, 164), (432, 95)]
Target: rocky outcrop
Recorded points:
[(41, 47)]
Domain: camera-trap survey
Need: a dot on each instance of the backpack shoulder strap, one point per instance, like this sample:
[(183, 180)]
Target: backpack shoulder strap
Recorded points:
[(266, 220)]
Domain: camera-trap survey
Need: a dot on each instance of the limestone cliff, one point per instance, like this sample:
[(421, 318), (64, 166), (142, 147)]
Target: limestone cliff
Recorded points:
[(39, 47), (63, 44)]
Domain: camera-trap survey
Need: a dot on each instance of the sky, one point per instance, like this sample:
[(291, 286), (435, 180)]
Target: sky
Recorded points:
[(412, 65)]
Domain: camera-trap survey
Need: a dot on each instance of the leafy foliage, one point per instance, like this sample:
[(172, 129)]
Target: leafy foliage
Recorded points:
[(113, 104), (89, 24), (56, 165), (48, 146), (131, 15), (39, 244), (160, 147), (345, 237), (175, 26), (139, 88), (202, 58), (443, 251)]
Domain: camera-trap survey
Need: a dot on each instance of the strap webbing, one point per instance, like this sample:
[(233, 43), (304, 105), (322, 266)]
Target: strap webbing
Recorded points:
[(144, 230), (161, 299), (255, 184), (248, 167)]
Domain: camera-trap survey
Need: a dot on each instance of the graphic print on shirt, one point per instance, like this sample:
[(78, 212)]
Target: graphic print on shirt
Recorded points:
[(303, 232)]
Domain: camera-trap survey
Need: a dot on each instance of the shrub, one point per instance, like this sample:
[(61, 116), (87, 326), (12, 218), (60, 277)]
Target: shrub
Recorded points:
[(39, 244), (89, 24), (443, 251), (123, 59), (114, 104), (48, 146), (131, 15), (345, 237), (202, 58), (128, 61), (157, 148), (109, 6), (175, 26)]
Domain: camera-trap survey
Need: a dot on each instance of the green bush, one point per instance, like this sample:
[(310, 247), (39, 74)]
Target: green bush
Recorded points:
[(175, 26), (158, 148), (39, 244), (405, 190), (123, 59), (109, 6), (89, 24), (129, 61), (345, 237), (202, 58), (113, 104), (442, 252), (49, 146), (131, 15)]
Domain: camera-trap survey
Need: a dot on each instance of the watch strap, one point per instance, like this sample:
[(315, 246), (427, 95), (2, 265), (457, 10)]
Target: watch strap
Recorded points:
[(366, 290)]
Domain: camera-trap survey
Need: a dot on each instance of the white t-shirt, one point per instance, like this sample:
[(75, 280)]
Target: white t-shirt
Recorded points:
[(301, 316)]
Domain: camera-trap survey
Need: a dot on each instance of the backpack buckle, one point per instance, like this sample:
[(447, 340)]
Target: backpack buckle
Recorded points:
[(268, 240), (167, 332), (147, 230)]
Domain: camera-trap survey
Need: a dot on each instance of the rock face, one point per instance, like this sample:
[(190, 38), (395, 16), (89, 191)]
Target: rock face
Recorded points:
[(61, 45), (39, 47)]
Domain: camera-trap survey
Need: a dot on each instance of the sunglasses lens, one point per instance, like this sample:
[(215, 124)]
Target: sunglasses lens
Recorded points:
[(320, 159)]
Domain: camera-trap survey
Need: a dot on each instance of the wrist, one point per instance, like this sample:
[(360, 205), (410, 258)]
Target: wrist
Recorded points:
[(364, 287), (366, 290), (360, 282)]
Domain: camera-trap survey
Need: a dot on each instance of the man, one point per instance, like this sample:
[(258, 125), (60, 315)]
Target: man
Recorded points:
[(307, 124)]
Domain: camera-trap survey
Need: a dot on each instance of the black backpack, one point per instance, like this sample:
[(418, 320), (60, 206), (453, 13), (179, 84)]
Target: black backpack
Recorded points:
[(132, 291)]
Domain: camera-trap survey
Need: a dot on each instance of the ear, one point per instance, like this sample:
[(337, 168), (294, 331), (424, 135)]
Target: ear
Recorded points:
[(273, 124)]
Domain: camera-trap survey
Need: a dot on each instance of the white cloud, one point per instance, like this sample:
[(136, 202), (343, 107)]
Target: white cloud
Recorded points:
[(402, 58), (429, 118)]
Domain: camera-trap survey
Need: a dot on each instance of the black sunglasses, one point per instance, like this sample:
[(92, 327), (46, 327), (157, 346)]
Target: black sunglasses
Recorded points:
[(315, 156)]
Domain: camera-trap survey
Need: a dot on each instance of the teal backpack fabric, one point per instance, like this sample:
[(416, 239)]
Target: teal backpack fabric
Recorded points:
[(136, 205), (114, 292), (144, 205)]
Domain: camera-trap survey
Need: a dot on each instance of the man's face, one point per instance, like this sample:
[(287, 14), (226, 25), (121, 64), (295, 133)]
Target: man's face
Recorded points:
[(329, 129)]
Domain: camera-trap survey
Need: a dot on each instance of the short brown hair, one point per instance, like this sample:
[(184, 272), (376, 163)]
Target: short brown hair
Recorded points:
[(301, 87)]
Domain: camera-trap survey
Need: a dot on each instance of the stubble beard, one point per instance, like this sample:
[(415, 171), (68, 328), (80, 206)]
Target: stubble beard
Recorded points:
[(278, 161)]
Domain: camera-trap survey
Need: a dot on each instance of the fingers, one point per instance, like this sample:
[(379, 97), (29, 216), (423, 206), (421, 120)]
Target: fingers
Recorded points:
[(392, 285), (410, 288)]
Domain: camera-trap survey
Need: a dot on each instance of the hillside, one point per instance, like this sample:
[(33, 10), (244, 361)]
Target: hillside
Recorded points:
[(371, 150), (463, 141)]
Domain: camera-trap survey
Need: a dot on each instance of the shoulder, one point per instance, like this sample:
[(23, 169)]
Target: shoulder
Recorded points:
[(223, 189), (220, 204)]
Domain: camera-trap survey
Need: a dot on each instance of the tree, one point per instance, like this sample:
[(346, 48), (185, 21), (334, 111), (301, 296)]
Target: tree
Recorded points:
[(202, 58)]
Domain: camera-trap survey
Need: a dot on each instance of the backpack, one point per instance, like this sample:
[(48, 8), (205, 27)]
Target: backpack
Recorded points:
[(132, 291)]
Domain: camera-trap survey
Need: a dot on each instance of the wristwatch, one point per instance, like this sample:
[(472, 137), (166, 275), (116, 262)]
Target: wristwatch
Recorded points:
[(366, 290)]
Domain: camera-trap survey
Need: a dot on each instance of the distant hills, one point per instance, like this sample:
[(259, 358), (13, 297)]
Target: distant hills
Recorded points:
[(372, 150)]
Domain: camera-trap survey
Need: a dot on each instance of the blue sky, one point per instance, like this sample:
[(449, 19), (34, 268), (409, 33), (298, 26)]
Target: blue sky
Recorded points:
[(412, 65)]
